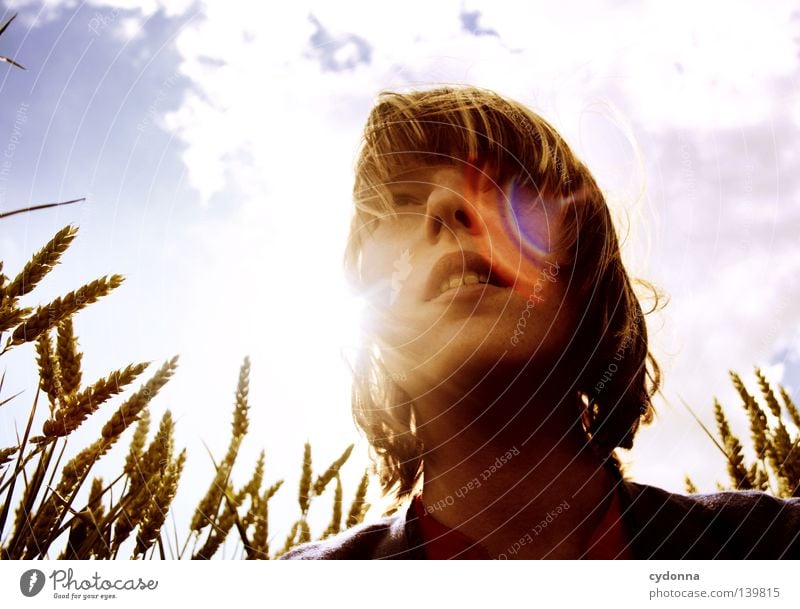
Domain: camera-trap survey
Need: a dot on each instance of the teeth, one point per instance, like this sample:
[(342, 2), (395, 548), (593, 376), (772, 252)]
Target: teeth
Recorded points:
[(458, 280)]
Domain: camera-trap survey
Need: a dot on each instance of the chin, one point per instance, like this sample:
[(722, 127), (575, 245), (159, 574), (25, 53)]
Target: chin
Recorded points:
[(467, 350)]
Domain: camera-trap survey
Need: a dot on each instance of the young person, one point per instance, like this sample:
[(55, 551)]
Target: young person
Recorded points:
[(506, 353)]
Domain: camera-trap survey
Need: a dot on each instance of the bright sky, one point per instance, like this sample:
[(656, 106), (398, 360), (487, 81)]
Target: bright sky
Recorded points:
[(214, 142)]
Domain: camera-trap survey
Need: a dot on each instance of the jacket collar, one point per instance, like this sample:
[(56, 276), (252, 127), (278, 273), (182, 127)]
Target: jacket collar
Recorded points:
[(658, 524), (663, 525)]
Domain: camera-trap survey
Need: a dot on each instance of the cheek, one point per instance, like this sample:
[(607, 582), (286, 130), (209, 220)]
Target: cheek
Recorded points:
[(521, 242), (386, 264)]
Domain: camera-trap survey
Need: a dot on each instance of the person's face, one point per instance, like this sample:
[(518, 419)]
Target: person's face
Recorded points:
[(464, 276)]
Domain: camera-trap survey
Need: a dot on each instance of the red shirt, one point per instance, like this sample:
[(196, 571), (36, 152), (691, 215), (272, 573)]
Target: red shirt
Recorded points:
[(443, 543)]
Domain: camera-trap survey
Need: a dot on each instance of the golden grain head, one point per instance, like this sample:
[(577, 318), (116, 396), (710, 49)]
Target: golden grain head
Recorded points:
[(332, 471), (128, 413), (69, 357), (137, 443), (49, 377), (7, 453), (11, 316), (41, 263), (50, 315)]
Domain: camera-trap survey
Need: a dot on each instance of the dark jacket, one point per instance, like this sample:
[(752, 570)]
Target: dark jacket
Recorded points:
[(660, 525)]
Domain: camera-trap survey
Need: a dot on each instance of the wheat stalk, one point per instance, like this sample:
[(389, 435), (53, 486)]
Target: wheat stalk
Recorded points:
[(207, 509), (259, 541), (49, 516), (129, 411), (758, 420), (790, 407), (76, 408), (3, 29), (11, 316), (137, 443), (7, 453), (49, 377), (148, 474), (220, 529), (253, 490), (253, 487), (304, 490), (47, 316), (69, 358), (359, 506), (336, 517), (158, 508), (291, 539), (323, 480), (733, 449), (42, 263), (85, 521)]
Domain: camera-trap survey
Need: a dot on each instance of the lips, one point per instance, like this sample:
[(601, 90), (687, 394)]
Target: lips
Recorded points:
[(459, 263)]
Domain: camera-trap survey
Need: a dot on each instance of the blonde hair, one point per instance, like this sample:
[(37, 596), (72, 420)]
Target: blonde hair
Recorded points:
[(475, 126)]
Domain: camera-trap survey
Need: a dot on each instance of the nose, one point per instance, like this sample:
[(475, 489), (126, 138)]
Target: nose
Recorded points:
[(452, 206)]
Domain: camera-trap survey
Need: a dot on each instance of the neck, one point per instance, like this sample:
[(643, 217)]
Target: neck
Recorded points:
[(496, 466)]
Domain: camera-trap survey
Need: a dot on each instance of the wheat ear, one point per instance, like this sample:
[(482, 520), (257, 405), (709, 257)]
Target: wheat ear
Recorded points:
[(50, 315), (69, 357), (42, 263)]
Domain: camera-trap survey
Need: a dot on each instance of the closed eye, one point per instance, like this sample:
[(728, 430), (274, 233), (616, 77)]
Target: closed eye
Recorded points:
[(402, 199)]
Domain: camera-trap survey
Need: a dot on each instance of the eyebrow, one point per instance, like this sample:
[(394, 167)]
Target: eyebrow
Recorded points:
[(405, 183), (416, 174)]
